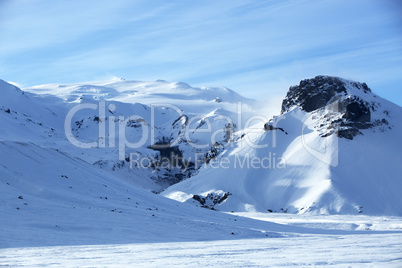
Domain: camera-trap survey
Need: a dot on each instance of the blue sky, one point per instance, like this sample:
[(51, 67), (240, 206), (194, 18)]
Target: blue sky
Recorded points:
[(257, 48)]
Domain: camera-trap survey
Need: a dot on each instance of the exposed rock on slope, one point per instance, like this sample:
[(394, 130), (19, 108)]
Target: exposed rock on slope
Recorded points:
[(345, 107)]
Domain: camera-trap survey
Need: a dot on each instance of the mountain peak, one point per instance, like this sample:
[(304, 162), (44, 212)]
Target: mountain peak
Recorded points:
[(315, 93), (343, 107)]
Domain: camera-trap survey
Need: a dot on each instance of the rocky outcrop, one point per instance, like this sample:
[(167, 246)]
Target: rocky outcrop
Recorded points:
[(212, 199), (214, 151), (269, 127), (315, 93), (343, 107)]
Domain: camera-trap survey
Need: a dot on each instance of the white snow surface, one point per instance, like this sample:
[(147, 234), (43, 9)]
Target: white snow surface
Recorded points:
[(310, 250)]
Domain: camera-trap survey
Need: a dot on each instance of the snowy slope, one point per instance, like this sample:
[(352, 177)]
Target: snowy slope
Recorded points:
[(51, 198), (322, 159), (57, 210)]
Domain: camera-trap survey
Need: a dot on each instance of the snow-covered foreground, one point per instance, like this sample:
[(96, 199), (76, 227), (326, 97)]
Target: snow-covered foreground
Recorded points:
[(368, 250), (337, 240)]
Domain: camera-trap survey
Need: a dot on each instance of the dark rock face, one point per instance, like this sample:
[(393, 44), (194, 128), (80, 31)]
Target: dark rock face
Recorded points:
[(214, 152), (340, 112), (357, 112), (315, 93), (211, 199), (312, 94), (176, 167)]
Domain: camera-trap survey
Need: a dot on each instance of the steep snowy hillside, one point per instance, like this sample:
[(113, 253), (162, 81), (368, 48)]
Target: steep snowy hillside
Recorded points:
[(335, 148), (28, 117)]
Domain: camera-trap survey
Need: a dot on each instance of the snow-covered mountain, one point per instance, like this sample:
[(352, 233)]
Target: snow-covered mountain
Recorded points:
[(53, 192), (335, 148), (83, 158), (126, 120), (79, 162)]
